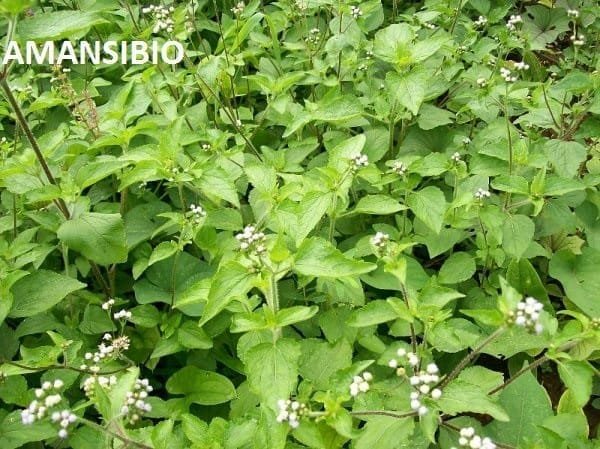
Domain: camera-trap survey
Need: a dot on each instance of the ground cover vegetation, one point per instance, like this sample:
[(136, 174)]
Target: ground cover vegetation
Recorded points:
[(367, 225)]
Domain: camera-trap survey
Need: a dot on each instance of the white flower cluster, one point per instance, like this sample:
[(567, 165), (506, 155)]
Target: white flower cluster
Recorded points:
[(47, 396), (578, 39), (380, 239), (360, 384), (111, 350), (481, 21), (507, 75), (513, 21), (573, 13), (469, 439), (107, 305), (356, 12), (198, 212), (238, 8), (291, 411), (65, 419), (251, 240), (481, 82), (421, 381), (455, 157), (105, 382), (431, 26), (527, 315), (2, 140), (135, 401), (206, 147), (162, 16), (482, 194), (313, 36), (399, 168), (122, 315), (521, 65), (360, 161)]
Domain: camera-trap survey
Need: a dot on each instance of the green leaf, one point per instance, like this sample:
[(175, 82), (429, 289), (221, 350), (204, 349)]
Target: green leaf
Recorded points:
[(517, 234), (99, 237), (39, 291), (457, 268), (577, 376), (318, 257), (14, 435), (375, 312), (321, 360), (200, 386), (377, 205), (272, 370), (565, 156), (409, 89), (296, 314), (164, 250), (384, 432), (429, 205), (527, 405), (579, 276), (57, 25), (468, 393), (231, 281)]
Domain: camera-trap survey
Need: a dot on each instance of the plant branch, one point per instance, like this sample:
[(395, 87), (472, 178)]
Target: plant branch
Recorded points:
[(383, 413), (116, 435), (65, 367), (469, 357)]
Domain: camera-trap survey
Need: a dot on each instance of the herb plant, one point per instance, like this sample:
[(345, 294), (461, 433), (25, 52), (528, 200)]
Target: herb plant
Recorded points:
[(333, 224)]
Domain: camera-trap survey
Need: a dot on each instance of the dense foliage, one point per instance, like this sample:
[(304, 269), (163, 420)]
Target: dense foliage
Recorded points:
[(333, 225)]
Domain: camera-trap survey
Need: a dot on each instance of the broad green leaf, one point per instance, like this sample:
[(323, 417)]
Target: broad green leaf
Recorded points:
[(232, 280), (39, 291), (527, 405), (163, 251), (200, 386), (377, 205), (57, 25), (99, 237), (320, 361), (517, 234), (384, 432), (468, 393), (318, 257), (375, 312), (565, 156), (429, 205), (457, 268), (13, 436), (409, 89), (579, 276), (578, 377), (272, 370), (296, 314)]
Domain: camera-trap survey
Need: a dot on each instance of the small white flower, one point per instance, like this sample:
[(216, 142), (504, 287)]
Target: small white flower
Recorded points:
[(521, 65), (360, 161), (455, 157), (291, 412), (360, 384), (238, 8), (573, 13), (507, 75), (380, 239), (469, 439), (527, 315), (399, 168), (355, 12), (481, 82), (578, 39), (436, 393), (481, 21), (513, 21), (482, 194)]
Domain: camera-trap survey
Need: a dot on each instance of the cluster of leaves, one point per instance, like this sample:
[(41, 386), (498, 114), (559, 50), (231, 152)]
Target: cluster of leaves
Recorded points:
[(316, 186)]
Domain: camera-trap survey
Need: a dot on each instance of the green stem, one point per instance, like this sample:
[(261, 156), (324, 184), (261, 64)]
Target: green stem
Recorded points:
[(118, 436), (382, 413), (469, 357)]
